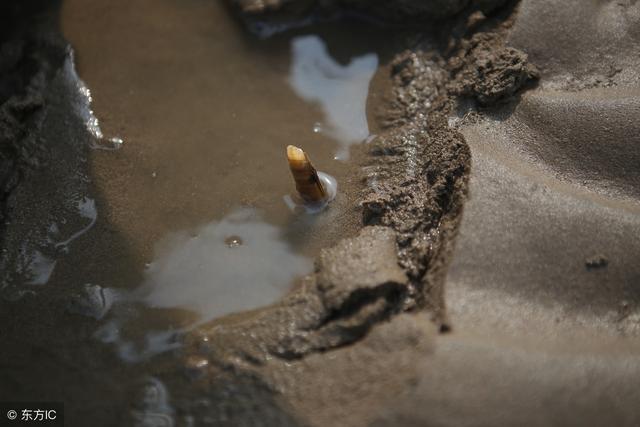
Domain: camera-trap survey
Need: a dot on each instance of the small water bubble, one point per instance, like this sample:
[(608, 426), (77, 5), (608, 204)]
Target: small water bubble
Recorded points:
[(317, 127), (154, 175), (233, 241), (295, 203)]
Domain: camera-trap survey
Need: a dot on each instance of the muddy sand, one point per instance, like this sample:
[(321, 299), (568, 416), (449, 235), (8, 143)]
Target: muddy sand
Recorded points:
[(477, 268)]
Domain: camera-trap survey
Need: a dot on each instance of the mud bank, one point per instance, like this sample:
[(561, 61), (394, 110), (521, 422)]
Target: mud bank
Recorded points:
[(267, 17), (466, 118), (387, 280)]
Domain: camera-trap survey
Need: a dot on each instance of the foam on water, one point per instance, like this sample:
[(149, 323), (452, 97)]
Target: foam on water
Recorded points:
[(235, 264), (341, 90), (206, 274)]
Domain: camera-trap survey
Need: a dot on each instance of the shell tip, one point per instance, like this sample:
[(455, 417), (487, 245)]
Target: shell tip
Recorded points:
[(295, 154)]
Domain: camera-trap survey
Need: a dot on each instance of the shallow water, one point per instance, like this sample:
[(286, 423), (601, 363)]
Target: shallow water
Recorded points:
[(234, 264), (341, 90), (197, 189)]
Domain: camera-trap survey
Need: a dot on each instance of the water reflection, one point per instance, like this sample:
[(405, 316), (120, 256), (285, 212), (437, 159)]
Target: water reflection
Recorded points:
[(235, 264), (84, 109), (296, 204), (341, 90), (238, 263)]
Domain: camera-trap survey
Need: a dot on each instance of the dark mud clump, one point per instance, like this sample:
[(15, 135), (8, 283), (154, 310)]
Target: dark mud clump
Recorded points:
[(489, 74), (418, 169), (265, 17), (394, 11), (29, 57), (44, 141), (596, 262)]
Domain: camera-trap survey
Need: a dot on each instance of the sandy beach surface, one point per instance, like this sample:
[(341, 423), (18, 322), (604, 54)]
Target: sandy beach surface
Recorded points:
[(479, 266)]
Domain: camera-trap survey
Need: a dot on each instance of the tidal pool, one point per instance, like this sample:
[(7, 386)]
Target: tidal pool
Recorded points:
[(195, 116), (237, 263)]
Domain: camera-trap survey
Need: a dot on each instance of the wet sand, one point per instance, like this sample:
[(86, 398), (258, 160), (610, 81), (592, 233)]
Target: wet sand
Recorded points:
[(536, 323), (543, 287)]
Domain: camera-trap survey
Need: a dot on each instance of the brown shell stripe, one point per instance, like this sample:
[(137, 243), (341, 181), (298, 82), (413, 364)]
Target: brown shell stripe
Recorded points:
[(305, 175)]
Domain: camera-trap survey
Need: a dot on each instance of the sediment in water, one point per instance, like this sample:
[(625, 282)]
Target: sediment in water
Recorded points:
[(352, 341)]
